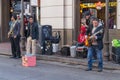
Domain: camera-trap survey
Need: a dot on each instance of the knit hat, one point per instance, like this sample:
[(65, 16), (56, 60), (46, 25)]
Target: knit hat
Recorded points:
[(87, 13), (95, 19), (14, 16), (83, 28)]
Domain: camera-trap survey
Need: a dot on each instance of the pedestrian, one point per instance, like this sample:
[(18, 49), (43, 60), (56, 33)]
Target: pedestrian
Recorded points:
[(89, 19), (18, 18), (32, 36), (111, 22), (96, 46), (25, 26), (14, 36), (81, 37)]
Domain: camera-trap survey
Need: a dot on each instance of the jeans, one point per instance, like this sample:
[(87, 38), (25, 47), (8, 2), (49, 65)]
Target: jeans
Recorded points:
[(90, 57)]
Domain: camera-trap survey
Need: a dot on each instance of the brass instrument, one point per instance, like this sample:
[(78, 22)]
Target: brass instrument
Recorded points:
[(11, 30)]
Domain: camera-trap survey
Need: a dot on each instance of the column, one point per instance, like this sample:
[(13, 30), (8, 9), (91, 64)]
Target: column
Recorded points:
[(4, 19), (0, 20), (118, 14)]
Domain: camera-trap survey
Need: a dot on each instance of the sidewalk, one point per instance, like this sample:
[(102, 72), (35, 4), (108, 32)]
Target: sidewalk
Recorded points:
[(5, 50)]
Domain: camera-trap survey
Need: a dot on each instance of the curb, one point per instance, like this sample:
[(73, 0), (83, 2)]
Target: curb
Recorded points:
[(82, 62), (72, 61)]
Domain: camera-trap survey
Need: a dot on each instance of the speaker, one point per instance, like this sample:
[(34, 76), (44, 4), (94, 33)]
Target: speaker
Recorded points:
[(65, 51)]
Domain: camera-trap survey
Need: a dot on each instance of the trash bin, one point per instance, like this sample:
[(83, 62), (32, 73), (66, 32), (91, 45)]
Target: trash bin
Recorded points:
[(55, 47), (73, 51)]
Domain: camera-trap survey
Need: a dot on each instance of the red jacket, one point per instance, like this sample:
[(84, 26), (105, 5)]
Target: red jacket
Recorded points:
[(81, 37)]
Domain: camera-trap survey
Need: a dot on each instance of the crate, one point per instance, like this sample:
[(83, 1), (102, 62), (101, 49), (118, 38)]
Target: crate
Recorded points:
[(65, 51), (116, 50), (116, 58), (81, 51), (29, 61)]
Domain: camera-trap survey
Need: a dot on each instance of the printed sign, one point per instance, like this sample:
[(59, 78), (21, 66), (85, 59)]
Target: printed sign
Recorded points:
[(34, 2)]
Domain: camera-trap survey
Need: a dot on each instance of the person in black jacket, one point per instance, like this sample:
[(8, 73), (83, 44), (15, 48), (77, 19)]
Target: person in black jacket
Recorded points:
[(96, 31), (32, 36)]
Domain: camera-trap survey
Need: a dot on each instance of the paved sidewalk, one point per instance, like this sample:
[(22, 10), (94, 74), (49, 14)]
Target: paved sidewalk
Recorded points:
[(5, 49)]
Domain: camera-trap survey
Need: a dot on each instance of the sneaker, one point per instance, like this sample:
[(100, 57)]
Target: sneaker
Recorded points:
[(100, 70), (17, 57), (12, 57), (88, 69)]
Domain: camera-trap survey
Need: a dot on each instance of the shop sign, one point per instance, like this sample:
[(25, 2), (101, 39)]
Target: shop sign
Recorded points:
[(34, 2), (98, 5), (93, 5)]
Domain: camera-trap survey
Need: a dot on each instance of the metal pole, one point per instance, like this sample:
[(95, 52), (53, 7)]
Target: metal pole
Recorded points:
[(22, 26), (107, 30)]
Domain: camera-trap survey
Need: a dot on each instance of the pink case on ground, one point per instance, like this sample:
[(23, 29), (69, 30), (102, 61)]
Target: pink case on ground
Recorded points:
[(29, 61)]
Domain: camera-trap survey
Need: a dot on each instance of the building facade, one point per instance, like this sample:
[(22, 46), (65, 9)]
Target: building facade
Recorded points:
[(61, 15), (6, 10), (65, 15)]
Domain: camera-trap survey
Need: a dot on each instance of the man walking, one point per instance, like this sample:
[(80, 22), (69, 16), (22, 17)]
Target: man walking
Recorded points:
[(14, 35), (96, 32), (32, 36)]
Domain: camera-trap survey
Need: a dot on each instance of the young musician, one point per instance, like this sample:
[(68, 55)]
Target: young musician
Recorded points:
[(14, 35), (96, 45)]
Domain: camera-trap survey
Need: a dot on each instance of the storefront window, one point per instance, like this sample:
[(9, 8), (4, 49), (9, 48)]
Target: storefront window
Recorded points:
[(112, 14), (97, 9), (16, 6)]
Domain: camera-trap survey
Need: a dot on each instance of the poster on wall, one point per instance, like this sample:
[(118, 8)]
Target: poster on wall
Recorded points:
[(34, 2)]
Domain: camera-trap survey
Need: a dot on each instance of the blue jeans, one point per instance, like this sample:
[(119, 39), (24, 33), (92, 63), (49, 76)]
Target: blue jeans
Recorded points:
[(90, 55)]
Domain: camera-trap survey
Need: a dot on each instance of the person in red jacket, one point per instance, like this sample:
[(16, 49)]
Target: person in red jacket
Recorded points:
[(25, 26), (81, 37)]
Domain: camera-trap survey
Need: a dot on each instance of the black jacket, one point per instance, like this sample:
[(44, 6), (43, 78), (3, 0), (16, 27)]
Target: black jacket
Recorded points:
[(99, 36), (16, 30), (35, 32)]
